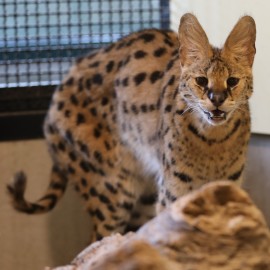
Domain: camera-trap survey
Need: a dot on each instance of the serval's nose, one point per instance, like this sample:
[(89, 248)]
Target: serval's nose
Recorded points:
[(217, 97)]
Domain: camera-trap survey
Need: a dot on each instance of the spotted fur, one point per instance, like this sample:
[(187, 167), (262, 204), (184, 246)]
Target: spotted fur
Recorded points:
[(145, 120)]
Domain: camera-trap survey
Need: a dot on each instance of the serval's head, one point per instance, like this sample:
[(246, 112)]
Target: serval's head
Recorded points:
[(216, 82)]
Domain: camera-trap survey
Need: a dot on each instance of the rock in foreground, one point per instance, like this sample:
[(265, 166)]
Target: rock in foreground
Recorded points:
[(215, 227)]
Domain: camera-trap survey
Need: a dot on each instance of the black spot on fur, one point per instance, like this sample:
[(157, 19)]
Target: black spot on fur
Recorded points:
[(155, 76), (147, 37), (149, 199), (170, 65), (171, 81), (60, 88), (70, 81), (136, 215), (111, 188), (79, 60), (77, 188), (114, 118), (74, 100), (98, 236), (130, 42), (96, 133), (183, 177), (80, 85), (98, 156), (107, 146), (84, 182), (86, 102), (52, 198), (84, 149), (97, 79), (93, 192), (111, 208), (94, 65), (109, 48), (67, 113), (126, 61), (196, 132), (108, 227), (104, 199), (88, 83), (159, 52), (61, 146), (126, 205), (236, 175), (117, 82), (80, 119), (92, 55), (109, 66), (101, 172), (120, 64), (104, 101), (175, 52), (59, 186), (140, 54), (72, 156), (168, 108), (169, 42), (169, 196), (121, 45), (152, 107), (144, 108), (180, 112), (134, 109), (54, 148), (100, 126), (125, 109), (125, 82), (163, 203), (85, 196), (50, 129), (93, 111), (139, 78), (99, 215), (71, 170), (85, 166), (60, 105)]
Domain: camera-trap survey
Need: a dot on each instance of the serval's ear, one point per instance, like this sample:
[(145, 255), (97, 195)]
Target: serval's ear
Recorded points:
[(240, 44), (194, 44)]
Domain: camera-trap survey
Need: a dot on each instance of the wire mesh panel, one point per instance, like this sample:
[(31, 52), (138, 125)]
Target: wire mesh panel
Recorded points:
[(39, 39)]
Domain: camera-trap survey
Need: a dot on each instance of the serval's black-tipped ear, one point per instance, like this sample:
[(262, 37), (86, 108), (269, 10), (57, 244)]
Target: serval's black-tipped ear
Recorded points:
[(240, 44), (194, 44)]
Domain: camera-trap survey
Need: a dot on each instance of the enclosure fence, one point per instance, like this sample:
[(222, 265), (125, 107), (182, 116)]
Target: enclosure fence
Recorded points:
[(39, 39)]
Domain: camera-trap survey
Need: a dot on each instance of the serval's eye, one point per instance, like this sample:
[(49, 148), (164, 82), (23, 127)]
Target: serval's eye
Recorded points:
[(232, 81), (202, 81)]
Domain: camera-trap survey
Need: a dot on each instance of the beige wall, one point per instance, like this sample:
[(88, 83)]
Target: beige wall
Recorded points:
[(32, 242)]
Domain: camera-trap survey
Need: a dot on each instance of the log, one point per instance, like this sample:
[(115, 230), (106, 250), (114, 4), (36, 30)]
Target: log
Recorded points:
[(215, 227)]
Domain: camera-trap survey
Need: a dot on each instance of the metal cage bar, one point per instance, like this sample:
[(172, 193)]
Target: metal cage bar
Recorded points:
[(39, 39)]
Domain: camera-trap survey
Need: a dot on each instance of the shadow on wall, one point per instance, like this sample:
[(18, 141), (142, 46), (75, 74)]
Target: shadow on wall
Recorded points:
[(69, 228), (258, 173)]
